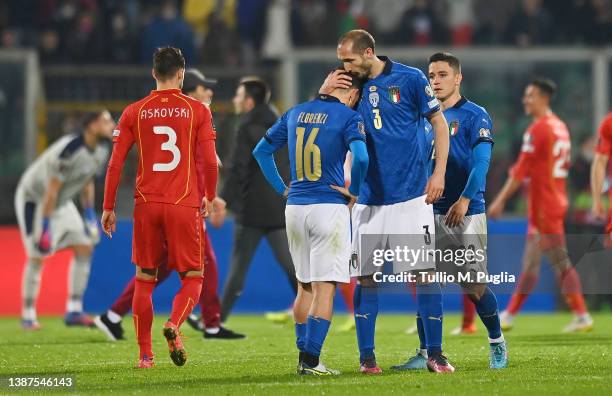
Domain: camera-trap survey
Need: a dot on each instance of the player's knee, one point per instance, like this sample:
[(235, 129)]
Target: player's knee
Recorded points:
[(146, 273), (324, 291), (473, 291), (83, 250), (191, 274), (307, 287)]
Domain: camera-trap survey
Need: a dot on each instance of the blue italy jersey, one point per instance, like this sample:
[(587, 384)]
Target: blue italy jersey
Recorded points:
[(395, 105), (469, 125), (318, 134)]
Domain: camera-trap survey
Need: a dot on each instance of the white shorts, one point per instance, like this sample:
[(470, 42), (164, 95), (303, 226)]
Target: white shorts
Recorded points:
[(66, 225), (319, 241), (471, 236), (407, 224)]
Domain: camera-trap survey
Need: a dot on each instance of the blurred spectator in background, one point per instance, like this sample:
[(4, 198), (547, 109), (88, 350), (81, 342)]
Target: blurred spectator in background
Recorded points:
[(121, 39), (221, 46), (492, 19), (86, 43), (461, 21), (385, 20), (251, 18), (167, 28), (531, 24), (231, 32), (197, 14), (421, 26)]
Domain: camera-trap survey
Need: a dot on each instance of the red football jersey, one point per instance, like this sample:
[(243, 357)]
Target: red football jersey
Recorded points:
[(545, 160), (604, 146), (169, 129)]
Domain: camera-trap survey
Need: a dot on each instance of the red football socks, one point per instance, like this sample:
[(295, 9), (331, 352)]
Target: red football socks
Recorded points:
[(469, 312), (572, 290), (525, 285), (142, 309), (185, 299)]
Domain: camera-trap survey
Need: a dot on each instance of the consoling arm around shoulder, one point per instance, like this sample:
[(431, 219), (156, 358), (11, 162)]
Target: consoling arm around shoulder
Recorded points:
[(264, 154), (360, 165), (481, 157)]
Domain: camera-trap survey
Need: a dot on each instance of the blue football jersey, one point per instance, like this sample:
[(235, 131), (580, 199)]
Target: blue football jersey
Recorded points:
[(318, 134), (395, 105), (469, 125)]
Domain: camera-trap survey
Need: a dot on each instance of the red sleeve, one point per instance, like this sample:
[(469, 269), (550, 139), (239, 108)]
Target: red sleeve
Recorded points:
[(604, 142), (123, 139), (206, 157), (533, 141)]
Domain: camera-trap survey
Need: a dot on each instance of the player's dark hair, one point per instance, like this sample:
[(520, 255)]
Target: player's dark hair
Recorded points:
[(257, 90), (361, 39), (91, 117), (167, 61), (447, 57), (546, 86)]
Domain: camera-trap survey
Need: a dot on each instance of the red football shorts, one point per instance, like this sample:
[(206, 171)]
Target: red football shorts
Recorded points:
[(550, 232), (165, 233)]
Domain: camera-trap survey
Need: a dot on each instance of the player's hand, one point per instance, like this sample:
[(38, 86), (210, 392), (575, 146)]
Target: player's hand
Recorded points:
[(44, 242), (91, 225), (456, 213), (434, 188), (109, 222), (496, 209), (207, 208), (217, 217), (335, 79), (598, 211), (344, 191)]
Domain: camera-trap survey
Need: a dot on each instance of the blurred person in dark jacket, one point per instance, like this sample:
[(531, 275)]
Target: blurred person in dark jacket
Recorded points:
[(259, 212)]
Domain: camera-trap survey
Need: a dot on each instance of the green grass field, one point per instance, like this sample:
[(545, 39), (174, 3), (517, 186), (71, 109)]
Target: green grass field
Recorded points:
[(542, 360)]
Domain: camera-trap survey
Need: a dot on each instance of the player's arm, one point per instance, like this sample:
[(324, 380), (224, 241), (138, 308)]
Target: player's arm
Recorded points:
[(599, 166), (49, 203), (359, 168), (435, 184), (481, 158), (207, 168), (354, 137), (264, 154), (89, 213), (598, 175), (123, 139), (274, 139), (521, 169), (481, 141)]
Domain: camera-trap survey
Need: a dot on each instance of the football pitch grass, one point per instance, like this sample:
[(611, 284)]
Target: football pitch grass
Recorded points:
[(542, 360)]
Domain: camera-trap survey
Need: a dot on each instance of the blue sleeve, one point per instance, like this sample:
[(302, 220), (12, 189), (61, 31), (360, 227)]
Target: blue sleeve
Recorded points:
[(481, 157), (264, 154), (277, 134), (481, 130), (359, 166), (354, 129), (423, 95)]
